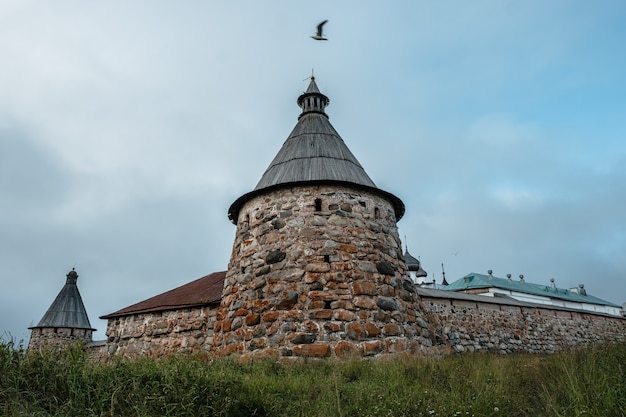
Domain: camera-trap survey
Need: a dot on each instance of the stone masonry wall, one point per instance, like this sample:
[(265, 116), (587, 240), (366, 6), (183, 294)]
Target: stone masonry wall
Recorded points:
[(473, 326), (462, 326), (188, 330), (56, 338), (317, 271)]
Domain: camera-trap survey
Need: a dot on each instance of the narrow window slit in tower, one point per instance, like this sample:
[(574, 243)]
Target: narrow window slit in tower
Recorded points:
[(327, 304), (318, 204), (327, 258), (376, 212)]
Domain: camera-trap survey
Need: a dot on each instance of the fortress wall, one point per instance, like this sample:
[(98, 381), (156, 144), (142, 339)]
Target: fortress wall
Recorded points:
[(158, 334), (454, 325), (473, 326)]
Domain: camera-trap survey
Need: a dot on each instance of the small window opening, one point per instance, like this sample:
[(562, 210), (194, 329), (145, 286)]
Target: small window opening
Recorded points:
[(318, 204), (327, 258), (376, 213), (327, 304)]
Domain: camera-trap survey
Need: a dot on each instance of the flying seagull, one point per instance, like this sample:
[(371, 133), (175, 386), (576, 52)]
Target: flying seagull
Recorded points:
[(318, 36)]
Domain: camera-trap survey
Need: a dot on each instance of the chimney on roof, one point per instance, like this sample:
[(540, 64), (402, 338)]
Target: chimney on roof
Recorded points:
[(521, 278), (552, 284), (490, 272), (508, 276), (581, 289)]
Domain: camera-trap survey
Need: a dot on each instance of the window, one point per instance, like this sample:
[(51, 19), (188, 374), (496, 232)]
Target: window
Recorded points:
[(318, 204)]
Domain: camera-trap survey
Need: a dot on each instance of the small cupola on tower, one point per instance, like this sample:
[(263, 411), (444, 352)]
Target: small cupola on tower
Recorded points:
[(65, 322), (416, 272), (312, 101)]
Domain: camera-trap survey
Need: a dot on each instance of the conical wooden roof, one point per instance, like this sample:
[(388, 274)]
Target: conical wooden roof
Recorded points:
[(67, 309), (314, 153)]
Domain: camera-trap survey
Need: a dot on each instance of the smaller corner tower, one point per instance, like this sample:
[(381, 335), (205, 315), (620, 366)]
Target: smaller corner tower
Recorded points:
[(65, 322)]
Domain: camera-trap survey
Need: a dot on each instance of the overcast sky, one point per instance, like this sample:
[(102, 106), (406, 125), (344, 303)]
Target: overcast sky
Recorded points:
[(128, 128)]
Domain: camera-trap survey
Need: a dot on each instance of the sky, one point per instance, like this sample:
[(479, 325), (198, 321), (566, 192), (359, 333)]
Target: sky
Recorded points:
[(128, 128)]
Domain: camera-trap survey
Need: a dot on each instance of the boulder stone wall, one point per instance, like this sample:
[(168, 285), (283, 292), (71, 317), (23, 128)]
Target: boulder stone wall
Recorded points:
[(317, 271), (160, 334), (52, 338), (498, 327)]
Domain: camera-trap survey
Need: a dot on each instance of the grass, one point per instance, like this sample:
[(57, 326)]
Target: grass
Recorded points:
[(589, 382)]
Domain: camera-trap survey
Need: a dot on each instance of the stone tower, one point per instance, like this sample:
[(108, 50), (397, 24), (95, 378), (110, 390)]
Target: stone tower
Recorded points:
[(316, 268), (65, 322)]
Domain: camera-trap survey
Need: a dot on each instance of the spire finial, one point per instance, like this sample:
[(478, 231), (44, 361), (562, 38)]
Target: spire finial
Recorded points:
[(312, 101), (443, 274), (72, 276)]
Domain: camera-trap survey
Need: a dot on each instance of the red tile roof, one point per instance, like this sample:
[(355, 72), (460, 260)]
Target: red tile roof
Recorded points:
[(201, 292)]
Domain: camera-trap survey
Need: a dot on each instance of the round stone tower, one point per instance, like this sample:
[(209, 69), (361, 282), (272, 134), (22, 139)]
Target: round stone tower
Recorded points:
[(317, 268)]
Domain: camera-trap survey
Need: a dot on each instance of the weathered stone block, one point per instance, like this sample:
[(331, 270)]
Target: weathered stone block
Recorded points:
[(391, 329), (275, 256), (343, 315), (371, 329), (253, 319), (315, 350), (345, 350), (263, 270), (387, 303), (287, 300), (355, 331), (371, 347), (385, 268), (365, 302), (321, 314), (363, 287), (322, 295), (303, 338), (347, 248), (270, 316), (333, 326)]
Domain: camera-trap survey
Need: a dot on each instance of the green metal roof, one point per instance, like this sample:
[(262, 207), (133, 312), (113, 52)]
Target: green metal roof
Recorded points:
[(476, 281)]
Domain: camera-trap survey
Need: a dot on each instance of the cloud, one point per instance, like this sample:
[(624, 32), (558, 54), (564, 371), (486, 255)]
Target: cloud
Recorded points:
[(127, 129)]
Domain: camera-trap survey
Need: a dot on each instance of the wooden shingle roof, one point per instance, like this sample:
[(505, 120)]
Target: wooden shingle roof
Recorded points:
[(314, 153), (67, 310)]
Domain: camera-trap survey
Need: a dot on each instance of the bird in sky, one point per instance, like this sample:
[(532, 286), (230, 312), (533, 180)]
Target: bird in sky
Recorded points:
[(319, 36)]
